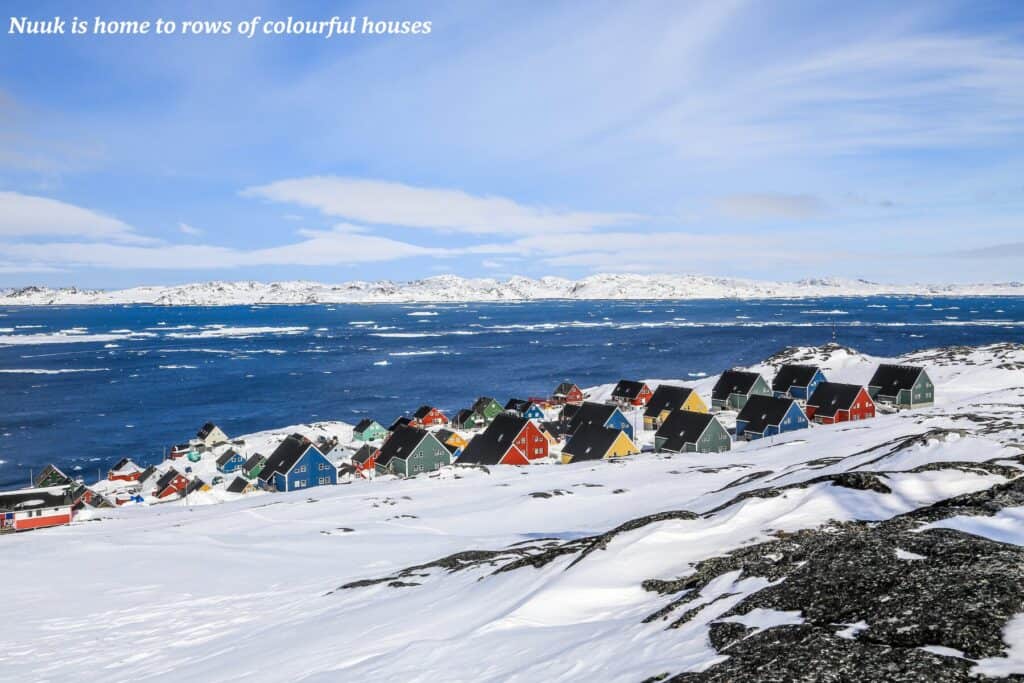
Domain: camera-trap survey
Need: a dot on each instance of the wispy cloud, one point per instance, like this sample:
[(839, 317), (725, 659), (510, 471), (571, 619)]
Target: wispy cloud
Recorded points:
[(397, 204), (30, 216), (186, 229), (1011, 250)]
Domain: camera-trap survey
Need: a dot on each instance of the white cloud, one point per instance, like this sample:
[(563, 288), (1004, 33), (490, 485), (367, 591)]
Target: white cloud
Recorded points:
[(187, 229), (24, 215), (387, 203), (755, 206)]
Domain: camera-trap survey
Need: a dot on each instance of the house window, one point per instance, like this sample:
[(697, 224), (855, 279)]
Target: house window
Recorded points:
[(324, 480), (300, 483)]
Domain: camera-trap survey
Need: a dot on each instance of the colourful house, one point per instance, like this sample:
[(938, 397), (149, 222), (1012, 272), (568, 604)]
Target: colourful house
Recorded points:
[(508, 440), (171, 483), (602, 414), (488, 408), (253, 466), (210, 435), (834, 402), (124, 470), (593, 442), (411, 451), (35, 508), (399, 423), (369, 430), (297, 464), (364, 460), (797, 381), (902, 386), (468, 418), (450, 438), (687, 431), (230, 461), (631, 393), (763, 416), (428, 416), (527, 409), (735, 387), (567, 392), (241, 485), (667, 399)]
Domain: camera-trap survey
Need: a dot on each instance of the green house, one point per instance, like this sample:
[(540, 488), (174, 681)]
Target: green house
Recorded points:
[(410, 451), (253, 466), (734, 387), (369, 430), (903, 386), (488, 407), (52, 476), (467, 418), (686, 431)]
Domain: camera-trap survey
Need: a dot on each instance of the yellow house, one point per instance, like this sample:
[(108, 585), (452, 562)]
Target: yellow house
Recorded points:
[(594, 442), (667, 399), (450, 438)]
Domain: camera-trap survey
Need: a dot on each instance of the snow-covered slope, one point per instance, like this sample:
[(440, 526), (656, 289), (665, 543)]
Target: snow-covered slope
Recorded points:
[(832, 549), (454, 288)]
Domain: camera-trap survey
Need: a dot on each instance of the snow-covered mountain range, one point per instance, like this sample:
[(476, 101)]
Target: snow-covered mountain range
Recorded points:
[(454, 288)]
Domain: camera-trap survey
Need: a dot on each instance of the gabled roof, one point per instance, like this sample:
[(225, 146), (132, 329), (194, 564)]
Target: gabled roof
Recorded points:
[(667, 397), (444, 434), (734, 382), (682, 427), (286, 455), (364, 424), (892, 378), (53, 469), (552, 427), (564, 388), (253, 461), (364, 453), (628, 389), (590, 413), (591, 442), (168, 477), (423, 411), (793, 375), (238, 485), (225, 458), (31, 499), (832, 396), (517, 404), (147, 473), (761, 412), (569, 411), (491, 446), (401, 444), (205, 430), (465, 414), (481, 403), (399, 423)]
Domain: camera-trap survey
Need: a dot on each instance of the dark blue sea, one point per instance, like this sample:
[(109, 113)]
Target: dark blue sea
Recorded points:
[(84, 386)]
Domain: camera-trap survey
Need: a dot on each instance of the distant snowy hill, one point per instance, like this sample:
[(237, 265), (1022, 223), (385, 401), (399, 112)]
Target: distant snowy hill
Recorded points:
[(453, 288)]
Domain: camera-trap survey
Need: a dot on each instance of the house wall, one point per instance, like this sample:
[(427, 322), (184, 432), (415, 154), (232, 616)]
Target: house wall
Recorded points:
[(618, 420), (923, 392), (532, 442), (429, 455), (38, 519), (622, 446), (715, 439), (312, 469)]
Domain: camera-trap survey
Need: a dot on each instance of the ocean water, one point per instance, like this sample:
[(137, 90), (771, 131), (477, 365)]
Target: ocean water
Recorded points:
[(84, 386)]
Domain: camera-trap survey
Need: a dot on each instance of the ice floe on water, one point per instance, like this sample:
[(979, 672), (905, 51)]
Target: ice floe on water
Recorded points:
[(48, 371), (241, 332), (422, 313), (382, 362)]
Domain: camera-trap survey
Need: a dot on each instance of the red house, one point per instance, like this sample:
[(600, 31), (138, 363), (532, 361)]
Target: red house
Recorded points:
[(567, 392), (508, 440), (365, 460), (428, 416), (834, 402), (631, 393), (172, 483), (35, 508), (124, 470)]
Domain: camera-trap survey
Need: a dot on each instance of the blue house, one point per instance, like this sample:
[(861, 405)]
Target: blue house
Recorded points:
[(527, 409), (763, 416), (298, 464), (230, 461), (602, 414), (797, 381)]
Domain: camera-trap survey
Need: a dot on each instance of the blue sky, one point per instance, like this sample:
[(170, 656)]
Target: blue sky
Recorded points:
[(774, 140)]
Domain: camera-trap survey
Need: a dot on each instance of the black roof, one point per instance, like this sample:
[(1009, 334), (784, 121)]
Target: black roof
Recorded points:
[(682, 427), (832, 396), (422, 412), (364, 453), (763, 411), (253, 461), (553, 427), (564, 388), (286, 455), (734, 382), (147, 473), (465, 414), (591, 442), (627, 388), (590, 413), (482, 403), (168, 477), (444, 434), (569, 410), (489, 447), (238, 484), (205, 430), (667, 397), (120, 463), (892, 378), (226, 457), (364, 424), (402, 442), (517, 404), (792, 375), (399, 422), (31, 499)]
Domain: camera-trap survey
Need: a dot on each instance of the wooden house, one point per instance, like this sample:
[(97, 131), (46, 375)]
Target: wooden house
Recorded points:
[(179, 451), (369, 430), (602, 414), (834, 402), (487, 407), (148, 476), (229, 461), (735, 387), (35, 508), (763, 416), (567, 392), (468, 418), (365, 459), (171, 483), (124, 470), (298, 464), (631, 393), (902, 386), (796, 381), (452, 439), (667, 399), (241, 485), (527, 409), (51, 475), (428, 416), (411, 451), (508, 440), (252, 467), (210, 435), (594, 442), (687, 431), (399, 423)]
